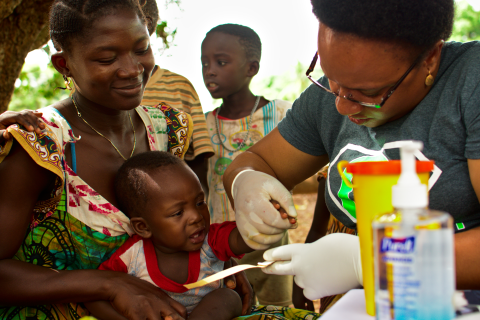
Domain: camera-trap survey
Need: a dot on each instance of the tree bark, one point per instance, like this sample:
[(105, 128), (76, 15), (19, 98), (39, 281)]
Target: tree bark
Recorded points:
[(23, 27)]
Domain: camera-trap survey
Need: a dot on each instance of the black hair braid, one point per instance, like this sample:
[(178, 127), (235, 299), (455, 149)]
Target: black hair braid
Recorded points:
[(249, 39), (130, 184), (418, 23), (71, 18)]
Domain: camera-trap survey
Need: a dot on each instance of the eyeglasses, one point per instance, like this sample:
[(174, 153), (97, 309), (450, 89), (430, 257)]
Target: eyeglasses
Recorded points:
[(365, 104)]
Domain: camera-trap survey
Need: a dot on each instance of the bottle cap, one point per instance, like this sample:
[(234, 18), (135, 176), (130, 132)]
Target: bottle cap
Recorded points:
[(409, 192)]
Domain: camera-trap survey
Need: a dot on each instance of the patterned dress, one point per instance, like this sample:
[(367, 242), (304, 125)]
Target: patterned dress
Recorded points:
[(77, 228), (178, 92), (231, 134)]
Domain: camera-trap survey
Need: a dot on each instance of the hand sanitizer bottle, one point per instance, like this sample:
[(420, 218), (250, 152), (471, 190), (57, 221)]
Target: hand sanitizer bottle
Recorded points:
[(414, 253)]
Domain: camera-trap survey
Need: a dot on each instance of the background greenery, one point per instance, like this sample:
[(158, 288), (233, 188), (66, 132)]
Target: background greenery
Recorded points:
[(36, 87)]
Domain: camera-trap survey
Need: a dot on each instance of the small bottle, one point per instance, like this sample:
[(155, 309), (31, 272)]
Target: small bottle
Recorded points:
[(414, 252)]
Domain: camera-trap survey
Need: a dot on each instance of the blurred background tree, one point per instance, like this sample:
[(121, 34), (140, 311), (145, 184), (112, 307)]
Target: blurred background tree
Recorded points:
[(289, 85), (467, 23), (35, 86), (23, 28)]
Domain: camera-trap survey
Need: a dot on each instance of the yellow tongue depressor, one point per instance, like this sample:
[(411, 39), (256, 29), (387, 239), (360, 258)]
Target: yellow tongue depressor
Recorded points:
[(226, 273)]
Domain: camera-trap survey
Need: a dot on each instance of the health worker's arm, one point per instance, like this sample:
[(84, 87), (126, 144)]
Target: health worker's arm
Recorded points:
[(275, 168), (275, 156)]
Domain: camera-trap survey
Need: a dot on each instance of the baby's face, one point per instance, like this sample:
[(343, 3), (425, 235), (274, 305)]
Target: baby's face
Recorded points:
[(177, 213)]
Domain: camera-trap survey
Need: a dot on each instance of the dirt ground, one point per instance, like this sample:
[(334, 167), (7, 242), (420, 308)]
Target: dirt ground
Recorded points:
[(305, 205)]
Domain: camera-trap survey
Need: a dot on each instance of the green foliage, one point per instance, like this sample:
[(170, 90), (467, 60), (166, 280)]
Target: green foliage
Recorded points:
[(288, 85), (36, 88), (467, 23), (163, 32)]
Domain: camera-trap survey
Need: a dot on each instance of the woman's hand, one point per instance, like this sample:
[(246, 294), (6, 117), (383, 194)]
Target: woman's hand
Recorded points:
[(27, 118), (137, 299), (328, 266), (258, 219)]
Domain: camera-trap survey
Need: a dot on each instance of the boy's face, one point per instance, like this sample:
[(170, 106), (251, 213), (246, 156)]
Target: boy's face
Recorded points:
[(177, 214), (225, 67)]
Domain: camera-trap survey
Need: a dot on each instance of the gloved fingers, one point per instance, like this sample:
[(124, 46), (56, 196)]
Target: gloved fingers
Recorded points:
[(346, 247), (256, 240), (249, 230), (276, 191), (280, 268), (255, 245), (357, 265), (263, 226), (283, 253), (357, 260), (260, 212), (273, 218), (299, 281), (268, 238), (294, 225), (312, 294), (246, 229)]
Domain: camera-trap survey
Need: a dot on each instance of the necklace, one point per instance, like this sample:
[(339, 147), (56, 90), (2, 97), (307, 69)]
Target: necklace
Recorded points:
[(247, 134), (131, 122)]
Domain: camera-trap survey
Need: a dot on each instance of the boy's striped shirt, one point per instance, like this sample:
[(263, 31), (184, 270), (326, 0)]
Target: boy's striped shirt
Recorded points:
[(178, 92)]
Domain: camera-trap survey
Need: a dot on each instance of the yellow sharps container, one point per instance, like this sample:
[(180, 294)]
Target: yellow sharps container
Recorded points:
[(372, 191)]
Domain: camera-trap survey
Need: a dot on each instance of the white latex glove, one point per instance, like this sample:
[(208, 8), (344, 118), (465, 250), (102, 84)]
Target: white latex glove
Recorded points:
[(328, 266), (259, 223)]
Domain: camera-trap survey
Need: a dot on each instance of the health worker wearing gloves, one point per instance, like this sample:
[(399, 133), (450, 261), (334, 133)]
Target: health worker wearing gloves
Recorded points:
[(389, 76)]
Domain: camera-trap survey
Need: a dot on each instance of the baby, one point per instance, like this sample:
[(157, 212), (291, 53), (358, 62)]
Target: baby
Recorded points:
[(174, 243)]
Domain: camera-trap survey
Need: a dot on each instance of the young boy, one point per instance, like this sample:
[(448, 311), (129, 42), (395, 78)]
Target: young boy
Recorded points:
[(230, 59), (174, 243)]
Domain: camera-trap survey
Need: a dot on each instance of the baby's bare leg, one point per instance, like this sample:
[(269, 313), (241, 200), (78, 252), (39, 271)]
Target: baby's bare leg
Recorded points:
[(220, 304)]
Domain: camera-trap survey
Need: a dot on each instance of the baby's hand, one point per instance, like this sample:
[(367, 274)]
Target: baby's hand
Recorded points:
[(282, 211)]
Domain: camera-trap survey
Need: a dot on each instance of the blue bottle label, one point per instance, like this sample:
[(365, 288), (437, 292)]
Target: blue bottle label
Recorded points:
[(402, 245), (415, 284)]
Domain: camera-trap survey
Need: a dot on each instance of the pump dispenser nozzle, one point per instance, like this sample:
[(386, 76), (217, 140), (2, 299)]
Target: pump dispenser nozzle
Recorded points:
[(409, 192)]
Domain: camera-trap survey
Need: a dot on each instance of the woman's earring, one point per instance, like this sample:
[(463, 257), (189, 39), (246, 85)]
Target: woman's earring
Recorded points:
[(67, 82), (429, 79)]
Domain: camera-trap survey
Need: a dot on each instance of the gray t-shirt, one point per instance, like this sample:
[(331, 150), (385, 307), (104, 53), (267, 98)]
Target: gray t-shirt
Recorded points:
[(447, 120)]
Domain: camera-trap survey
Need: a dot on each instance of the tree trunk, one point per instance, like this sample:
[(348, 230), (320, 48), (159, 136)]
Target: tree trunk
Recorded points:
[(23, 27)]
